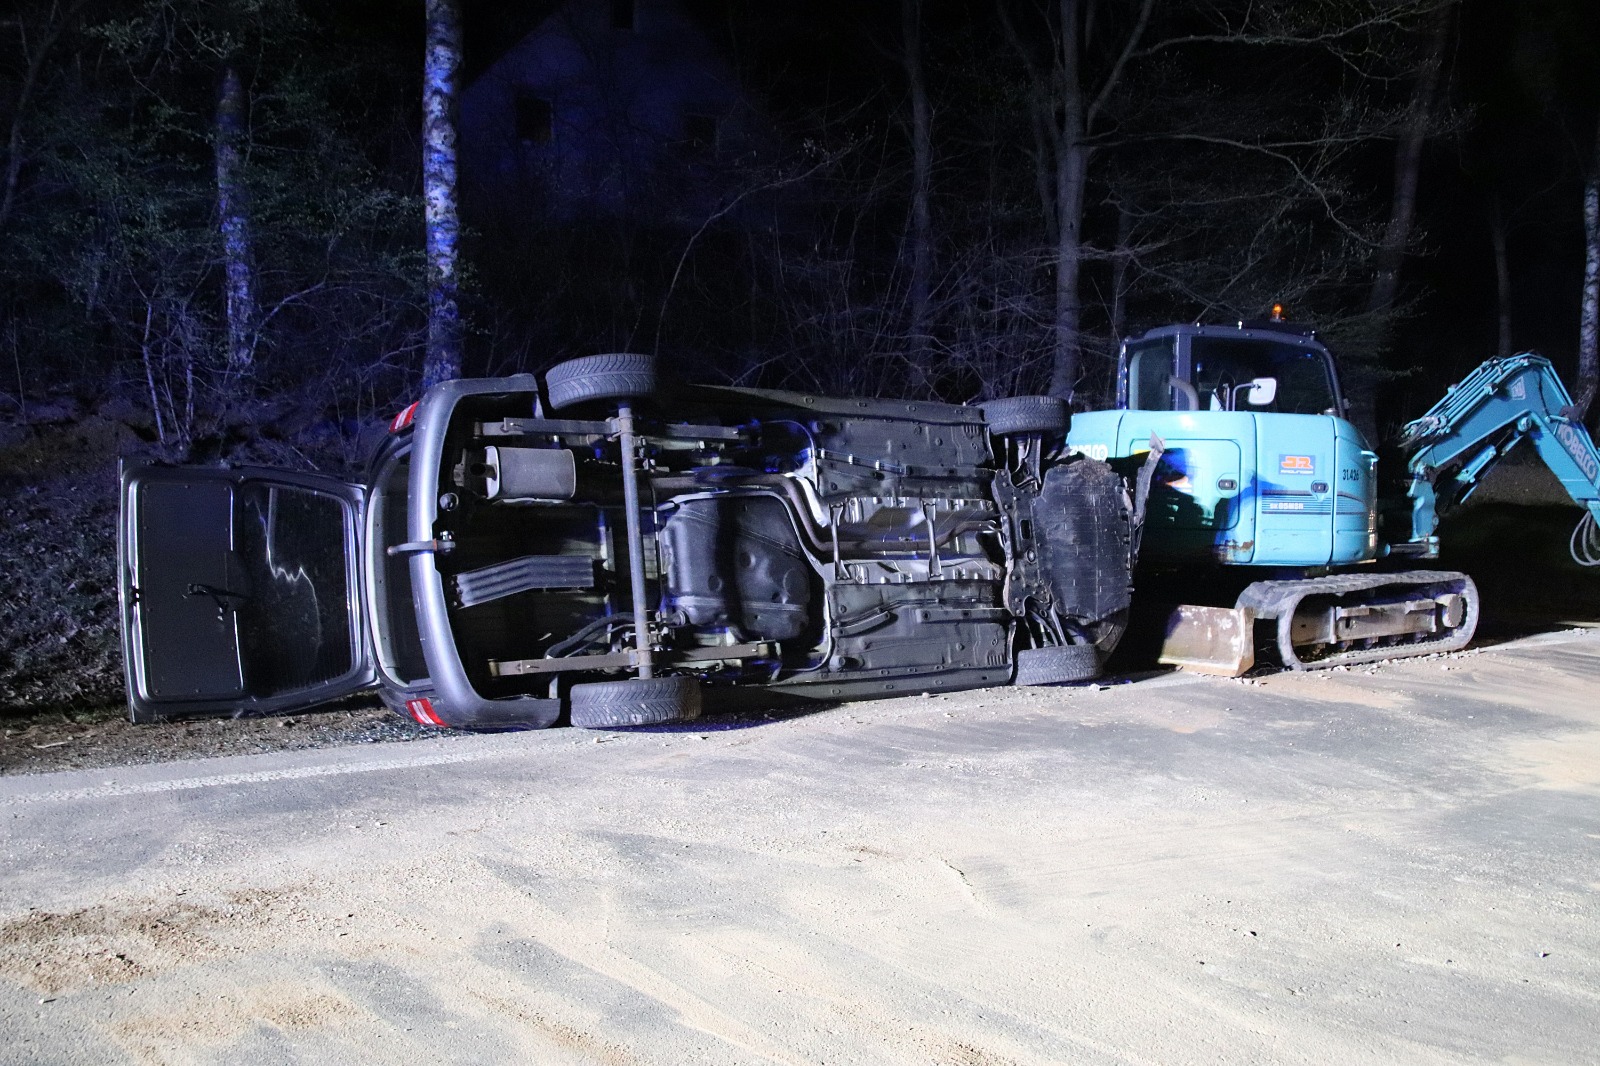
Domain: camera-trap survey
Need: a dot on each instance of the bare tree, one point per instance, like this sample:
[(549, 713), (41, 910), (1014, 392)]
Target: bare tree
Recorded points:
[(1589, 318), (441, 69), (1419, 126), (233, 220), (35, 44), (195, 187), (1068, 104), (1111, 84)]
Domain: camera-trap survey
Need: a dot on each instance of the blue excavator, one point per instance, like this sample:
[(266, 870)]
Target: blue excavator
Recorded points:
[(1261, 475)]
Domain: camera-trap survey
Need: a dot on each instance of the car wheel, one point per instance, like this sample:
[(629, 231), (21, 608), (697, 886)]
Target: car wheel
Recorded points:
[(1018, 415), (1108, 632), (1055, 665), (617, 376), (637, 701)]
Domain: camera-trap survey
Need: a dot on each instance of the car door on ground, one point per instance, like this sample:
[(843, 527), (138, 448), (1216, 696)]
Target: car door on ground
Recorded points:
[(241, 590)]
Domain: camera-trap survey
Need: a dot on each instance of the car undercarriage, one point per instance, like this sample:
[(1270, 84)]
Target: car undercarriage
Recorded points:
[(600, 548), (831, 548)]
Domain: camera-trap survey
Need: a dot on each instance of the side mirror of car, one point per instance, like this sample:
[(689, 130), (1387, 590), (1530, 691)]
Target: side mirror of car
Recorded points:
[(1262, 391)]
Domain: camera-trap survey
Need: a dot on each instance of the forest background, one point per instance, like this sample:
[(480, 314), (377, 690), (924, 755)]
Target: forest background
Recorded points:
[(213, 240)]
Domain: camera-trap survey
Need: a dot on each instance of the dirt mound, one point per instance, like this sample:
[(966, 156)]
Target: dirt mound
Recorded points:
[(59, 643)]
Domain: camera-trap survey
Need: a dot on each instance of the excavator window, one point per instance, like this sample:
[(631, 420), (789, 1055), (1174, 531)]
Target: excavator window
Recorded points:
[(1224, 367), (1150, 369)]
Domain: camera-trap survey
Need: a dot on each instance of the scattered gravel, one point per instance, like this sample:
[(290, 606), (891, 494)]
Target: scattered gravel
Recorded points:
[(47, 741)]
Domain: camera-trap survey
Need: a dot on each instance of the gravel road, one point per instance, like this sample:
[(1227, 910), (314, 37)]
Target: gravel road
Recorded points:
[(1390, 865), (46, 741)]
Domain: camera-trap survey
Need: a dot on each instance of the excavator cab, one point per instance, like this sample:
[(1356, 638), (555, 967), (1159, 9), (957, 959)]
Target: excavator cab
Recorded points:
[(1207, 368), (1260, 467)]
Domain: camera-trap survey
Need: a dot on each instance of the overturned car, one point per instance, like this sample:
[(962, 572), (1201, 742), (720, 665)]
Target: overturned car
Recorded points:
[(604, 548)]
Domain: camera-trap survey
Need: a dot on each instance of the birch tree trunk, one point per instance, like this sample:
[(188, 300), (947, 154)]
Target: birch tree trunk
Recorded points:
[(234, 223), (921, 183), (1589, 318), (441, 66)]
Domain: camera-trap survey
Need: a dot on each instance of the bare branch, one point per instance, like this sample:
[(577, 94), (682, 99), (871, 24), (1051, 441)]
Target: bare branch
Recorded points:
[(1115, 75)]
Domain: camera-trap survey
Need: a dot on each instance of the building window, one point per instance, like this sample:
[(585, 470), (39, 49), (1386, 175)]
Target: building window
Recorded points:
[(700, 133), (622, 14), (535, 120)]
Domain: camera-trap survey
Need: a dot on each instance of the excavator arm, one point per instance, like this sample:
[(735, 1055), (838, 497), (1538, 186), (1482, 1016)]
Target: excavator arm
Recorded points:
[(1498, 405)]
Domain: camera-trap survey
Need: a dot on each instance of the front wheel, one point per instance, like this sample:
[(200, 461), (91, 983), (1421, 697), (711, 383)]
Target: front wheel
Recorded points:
[(636, 701), (1058, 665)]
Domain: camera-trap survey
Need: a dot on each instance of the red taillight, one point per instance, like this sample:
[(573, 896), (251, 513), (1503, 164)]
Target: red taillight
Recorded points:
[(403, 419), (422, 709)]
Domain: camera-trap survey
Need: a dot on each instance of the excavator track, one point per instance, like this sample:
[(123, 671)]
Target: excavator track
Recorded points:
[(1347, 619)]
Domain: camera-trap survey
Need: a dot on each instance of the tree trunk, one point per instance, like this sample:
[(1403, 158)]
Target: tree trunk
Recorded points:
[(1502, 280), (1407, 170), (1362, 383), (1072, 168), (441, 65), (921, 182), (1589, 320), (234, 222)]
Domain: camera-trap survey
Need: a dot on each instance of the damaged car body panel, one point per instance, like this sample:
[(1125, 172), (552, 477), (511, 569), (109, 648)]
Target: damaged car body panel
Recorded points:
[(821, 547)]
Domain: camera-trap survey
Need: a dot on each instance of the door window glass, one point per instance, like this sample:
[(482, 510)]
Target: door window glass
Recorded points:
[(296, 627)]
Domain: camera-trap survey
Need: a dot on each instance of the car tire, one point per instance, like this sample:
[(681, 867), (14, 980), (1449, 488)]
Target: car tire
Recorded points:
[(1057, 665), (1017, 416), (636, 701), (616, 376), (1108, 632)]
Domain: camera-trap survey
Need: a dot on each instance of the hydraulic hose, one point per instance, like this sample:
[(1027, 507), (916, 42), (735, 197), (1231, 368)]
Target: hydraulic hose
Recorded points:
[(1585, 542)]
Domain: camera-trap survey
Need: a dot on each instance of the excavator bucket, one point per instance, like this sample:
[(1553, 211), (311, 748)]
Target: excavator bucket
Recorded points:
[(1210, 640)]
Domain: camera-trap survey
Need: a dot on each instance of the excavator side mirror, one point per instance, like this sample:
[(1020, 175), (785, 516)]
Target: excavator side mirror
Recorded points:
[(1261, 392)]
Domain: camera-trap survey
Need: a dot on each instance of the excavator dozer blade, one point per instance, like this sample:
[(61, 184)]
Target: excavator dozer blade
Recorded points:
[(1210, 640)]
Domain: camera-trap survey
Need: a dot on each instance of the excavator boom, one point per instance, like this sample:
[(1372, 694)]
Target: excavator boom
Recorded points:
[(1497, 406)]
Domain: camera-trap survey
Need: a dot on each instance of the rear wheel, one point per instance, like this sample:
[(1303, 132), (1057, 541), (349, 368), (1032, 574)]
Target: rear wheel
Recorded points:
[(1057, 665), (636, 701), (1019, 415), (616, 376)]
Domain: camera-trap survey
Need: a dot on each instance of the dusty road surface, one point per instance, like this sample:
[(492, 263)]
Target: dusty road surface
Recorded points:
[(1398, 866)]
